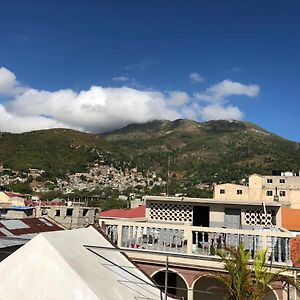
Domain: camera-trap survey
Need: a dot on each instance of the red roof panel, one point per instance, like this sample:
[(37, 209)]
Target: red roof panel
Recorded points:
[(138, 212), (290, 219)]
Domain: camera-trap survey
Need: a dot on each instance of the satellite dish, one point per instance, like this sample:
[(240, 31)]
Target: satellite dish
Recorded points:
[(69, 203)]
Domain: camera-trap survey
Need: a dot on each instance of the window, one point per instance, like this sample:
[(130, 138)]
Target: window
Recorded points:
[(282, 193), (69, 212), (269, 193), (282, 180), (269, 180), (57, 213), (239, 192), (85, 211), (222, 191)]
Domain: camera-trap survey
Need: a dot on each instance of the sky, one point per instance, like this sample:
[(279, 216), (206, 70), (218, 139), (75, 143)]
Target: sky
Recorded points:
[(96, 66)]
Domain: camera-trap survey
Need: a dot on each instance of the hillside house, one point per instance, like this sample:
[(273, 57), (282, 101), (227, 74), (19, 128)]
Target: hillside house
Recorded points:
[(8, 199)]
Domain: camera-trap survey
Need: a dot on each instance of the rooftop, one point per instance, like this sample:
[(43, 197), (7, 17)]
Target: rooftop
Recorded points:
[(138, 212), (73, 270), (19, 231), (13, 195), (210, 200)]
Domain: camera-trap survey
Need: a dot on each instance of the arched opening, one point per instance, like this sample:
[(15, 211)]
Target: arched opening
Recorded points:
[(270, 295), (209, 288), (176, 285)]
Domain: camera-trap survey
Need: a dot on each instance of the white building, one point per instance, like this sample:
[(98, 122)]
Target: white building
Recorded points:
[(60, 265)]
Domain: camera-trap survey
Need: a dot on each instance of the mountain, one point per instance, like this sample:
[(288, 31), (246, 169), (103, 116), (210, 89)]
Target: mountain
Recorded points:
[(57, 151), (192, 153), (207, 152)]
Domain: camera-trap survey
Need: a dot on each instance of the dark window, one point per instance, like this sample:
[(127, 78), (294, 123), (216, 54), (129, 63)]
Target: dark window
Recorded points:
[(239, 192), (69, 212), (57, 213), (281, 180), (269, 193), (282, 193), (85, 211), (269, 180), (222, 191)]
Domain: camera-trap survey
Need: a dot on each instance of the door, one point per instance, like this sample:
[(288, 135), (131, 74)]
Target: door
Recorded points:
[(232, 218)]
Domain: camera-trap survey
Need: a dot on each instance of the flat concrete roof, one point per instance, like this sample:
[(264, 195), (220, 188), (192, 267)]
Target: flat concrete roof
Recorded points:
[(211, 201)]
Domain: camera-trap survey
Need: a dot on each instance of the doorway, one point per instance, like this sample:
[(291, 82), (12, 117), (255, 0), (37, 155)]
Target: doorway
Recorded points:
[(201, 216)]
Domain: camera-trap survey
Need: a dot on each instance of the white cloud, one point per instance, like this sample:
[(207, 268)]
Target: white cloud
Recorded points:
[(97, 109), (218, 111), (101, 109), (10, 122), (178, 98), (196, 77), (220, 91), (120, 78), (8, 83)]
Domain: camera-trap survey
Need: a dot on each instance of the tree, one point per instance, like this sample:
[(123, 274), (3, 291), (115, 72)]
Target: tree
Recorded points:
[(20, 187), (246, 280)]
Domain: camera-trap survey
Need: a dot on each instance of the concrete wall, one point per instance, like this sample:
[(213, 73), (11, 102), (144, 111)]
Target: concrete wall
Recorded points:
[(69, 216), (263, 188), (17, 201), (231, 192), (216, 215), (249, 213)]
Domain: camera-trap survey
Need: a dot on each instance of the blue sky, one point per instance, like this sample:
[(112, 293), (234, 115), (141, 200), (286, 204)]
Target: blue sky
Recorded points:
[(99, 65)]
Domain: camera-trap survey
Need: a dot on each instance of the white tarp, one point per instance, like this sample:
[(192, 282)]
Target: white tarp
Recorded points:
[(56, 265)]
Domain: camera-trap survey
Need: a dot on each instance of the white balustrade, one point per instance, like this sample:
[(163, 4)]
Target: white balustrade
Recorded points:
[(194, 240)]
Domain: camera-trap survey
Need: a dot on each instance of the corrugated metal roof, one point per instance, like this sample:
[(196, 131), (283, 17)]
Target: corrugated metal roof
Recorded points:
[(6, 232), (46, 222), (14, 224), (18, 232)]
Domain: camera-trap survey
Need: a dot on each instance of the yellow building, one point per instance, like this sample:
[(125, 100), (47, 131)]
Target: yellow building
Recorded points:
[(284, 188)]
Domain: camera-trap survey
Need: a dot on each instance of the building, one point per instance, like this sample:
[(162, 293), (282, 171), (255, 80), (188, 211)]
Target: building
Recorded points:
[(10, 199), (15, 233), (73, 264), (189, 231), (70, 216), (16, 212), (284, 188)]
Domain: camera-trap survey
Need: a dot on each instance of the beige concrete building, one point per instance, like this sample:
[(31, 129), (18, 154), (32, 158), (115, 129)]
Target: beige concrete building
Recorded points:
[(263, 188), (8, 199), (71, 217), (190, 231)]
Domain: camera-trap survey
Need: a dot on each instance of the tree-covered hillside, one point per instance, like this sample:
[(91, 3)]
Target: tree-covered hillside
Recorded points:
[(206, 152)]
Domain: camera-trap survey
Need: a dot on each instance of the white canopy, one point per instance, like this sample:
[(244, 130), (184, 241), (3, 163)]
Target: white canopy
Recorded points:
[(56, 265)]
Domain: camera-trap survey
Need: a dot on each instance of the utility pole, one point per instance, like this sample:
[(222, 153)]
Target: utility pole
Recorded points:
[(168, 175)]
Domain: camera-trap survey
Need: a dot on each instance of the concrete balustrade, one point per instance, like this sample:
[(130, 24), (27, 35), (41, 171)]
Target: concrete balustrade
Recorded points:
[(197, 241)]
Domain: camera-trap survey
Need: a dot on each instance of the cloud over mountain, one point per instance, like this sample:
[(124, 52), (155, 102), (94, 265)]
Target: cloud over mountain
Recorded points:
[(100, 109)]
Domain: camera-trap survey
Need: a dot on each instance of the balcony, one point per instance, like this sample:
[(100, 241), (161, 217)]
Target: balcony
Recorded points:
[(196, 241)]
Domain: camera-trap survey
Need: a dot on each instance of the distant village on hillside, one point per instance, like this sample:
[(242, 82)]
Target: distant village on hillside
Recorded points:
[(97, 176)]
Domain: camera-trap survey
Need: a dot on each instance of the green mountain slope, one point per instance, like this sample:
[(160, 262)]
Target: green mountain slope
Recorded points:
[(205, 152), (56, 151), (193, 152)]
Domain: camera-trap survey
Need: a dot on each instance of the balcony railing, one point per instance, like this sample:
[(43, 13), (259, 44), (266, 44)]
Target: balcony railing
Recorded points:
[(192, 240)]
